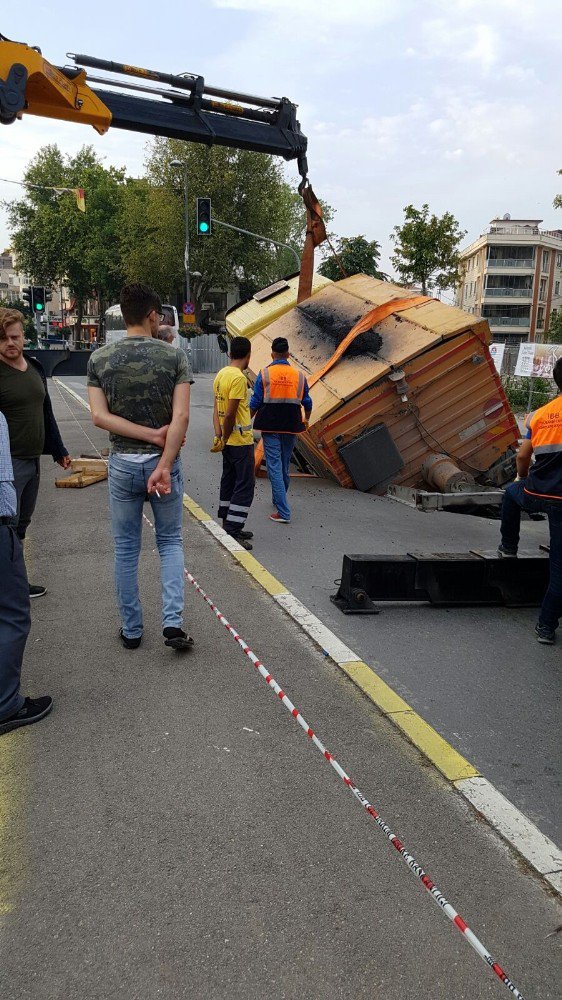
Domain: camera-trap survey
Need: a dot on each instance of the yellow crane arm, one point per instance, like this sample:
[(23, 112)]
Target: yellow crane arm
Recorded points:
[(31, 85)]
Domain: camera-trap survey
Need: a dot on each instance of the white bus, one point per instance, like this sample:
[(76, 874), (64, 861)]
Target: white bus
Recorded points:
[(115, 327)]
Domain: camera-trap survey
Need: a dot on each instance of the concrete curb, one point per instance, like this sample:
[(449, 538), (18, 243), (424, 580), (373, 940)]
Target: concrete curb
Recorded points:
[(540, 853)]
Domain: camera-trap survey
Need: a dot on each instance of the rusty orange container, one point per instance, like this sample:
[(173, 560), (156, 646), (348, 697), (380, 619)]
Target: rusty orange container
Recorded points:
[(419, 383)]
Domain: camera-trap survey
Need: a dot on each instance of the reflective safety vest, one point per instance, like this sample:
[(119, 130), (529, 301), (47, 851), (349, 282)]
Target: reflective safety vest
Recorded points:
[(545, 476), (283, 390)]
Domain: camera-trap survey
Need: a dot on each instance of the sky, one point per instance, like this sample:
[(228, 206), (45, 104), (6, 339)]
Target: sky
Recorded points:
[(451, 102)]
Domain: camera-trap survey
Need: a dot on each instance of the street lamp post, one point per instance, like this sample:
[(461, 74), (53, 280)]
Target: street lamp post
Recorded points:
[(179, 165)]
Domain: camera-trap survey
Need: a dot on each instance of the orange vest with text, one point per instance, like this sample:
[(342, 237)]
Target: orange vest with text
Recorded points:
[(283, 390), (544, 428)]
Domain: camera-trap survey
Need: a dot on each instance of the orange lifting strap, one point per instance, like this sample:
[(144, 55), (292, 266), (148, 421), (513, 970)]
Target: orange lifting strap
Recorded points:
[(370, 319)]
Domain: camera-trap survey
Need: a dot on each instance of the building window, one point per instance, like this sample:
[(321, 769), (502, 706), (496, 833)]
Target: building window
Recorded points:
[(557, 288), (559, 260), (542, 289), (545, 261)]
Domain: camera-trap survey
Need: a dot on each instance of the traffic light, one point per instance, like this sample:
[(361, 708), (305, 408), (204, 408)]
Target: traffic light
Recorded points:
[(27, 297), (203, 216), (38, 299), (48, 295)]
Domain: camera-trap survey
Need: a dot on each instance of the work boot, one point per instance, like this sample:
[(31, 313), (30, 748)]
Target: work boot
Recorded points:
[(506, 553), (545, 635), (176, 638), (244, 542), (241, 534), (31, 711)]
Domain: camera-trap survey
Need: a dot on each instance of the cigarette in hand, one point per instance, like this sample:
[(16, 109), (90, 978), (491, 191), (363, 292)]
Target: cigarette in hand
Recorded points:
[(158, 495)]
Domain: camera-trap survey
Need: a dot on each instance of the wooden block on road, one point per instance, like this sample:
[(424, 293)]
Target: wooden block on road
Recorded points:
[(80, 479)]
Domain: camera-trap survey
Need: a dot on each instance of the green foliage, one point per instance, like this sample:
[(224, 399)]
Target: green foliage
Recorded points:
[(427, 248), (246, 190), (558, 200), (517, 392), (133, 229), (357, 256), (554, 333), (53, 241)]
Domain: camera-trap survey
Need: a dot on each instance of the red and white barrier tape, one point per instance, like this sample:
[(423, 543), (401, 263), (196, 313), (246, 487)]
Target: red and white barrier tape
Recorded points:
[(411, 862), (408, 858)]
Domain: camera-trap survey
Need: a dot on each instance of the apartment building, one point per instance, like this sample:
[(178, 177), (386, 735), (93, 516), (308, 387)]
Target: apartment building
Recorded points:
[(10, 289), (512, 276)]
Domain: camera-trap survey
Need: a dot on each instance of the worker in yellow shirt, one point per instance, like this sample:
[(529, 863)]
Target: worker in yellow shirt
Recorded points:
[(234, 437)]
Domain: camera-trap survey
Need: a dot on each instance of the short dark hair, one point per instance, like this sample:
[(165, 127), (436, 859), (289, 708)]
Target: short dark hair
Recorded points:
[(280, 345), (137, 301), (240, 347), (557, 373)]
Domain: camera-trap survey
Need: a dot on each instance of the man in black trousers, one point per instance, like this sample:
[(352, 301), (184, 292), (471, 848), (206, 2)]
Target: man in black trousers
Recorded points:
[(24, 401), (15, 710)]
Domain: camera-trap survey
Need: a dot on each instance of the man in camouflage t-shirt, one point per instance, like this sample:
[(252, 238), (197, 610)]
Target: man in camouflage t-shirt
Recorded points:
[(139, 392)]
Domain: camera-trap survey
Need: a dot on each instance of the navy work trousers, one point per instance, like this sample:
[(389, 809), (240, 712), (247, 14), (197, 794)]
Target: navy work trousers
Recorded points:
[(237, 486), (15, 620), (514, 501)]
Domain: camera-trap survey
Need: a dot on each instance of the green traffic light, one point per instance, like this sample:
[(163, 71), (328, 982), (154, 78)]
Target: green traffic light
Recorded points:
[(39, 307), (203, 227)]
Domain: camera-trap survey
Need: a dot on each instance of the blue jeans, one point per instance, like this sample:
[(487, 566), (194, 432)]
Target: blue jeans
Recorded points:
[(127, 494), (278, 449), (515, 500)]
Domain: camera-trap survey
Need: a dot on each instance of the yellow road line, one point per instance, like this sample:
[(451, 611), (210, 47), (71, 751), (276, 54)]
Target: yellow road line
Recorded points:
[(260, 574), (195, 509)]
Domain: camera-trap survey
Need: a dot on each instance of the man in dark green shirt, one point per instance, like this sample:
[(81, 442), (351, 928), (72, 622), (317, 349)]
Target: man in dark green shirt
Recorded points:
[(25, 403)]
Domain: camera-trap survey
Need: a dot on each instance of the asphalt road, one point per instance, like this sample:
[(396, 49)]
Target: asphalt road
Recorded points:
[(170, 832), (477, 675)]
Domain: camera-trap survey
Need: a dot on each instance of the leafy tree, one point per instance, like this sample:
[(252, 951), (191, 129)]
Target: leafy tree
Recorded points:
[(357, 256), (56, 243), (554, 333), (558, 200), (247, 190), (427, 248)]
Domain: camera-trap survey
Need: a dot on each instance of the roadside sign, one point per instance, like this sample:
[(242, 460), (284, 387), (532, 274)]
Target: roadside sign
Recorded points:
[(188, 318), (497, 351), (188, 309)]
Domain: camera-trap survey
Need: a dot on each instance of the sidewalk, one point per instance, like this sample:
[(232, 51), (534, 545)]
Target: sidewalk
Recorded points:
[(171, 832)]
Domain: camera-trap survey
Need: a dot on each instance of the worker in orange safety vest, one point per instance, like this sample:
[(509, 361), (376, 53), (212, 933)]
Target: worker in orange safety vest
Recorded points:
[(538, 487), (279, 398)]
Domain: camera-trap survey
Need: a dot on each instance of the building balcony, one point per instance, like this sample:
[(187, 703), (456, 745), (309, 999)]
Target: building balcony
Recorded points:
[(510, 262), (508, 321), (520, 293)]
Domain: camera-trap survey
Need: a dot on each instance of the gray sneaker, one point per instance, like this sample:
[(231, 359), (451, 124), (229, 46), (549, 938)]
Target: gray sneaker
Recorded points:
[(545, 635)]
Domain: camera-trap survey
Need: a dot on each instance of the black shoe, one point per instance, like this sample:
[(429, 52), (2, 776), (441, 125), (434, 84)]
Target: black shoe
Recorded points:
[(506, 553), (545, 635), (176, 638), (243, 542), (37, 591), (31, 711), (130, 643), (241, 534)]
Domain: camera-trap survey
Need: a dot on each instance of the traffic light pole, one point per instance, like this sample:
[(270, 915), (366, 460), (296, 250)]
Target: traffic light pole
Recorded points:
[(177, 164), (258, 236)]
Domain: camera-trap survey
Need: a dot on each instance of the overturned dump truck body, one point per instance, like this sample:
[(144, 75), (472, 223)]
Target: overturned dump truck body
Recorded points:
[(415, 399)]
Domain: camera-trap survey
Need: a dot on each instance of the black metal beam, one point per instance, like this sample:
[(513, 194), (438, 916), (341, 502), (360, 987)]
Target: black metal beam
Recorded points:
[(466, 578), (280, 137)]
